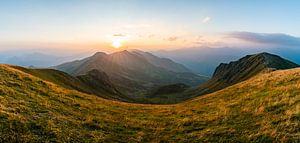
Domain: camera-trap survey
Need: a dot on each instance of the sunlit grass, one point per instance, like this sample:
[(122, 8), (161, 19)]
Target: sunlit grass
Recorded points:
[(262, 109)]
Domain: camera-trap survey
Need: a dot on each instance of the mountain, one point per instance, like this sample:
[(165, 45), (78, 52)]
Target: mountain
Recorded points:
[(228, 74), (39, 57), (93, 82), (204, 60), (243, 69), (99, 82), (35, 59), (264, 108), (162, 62), (134, 71)]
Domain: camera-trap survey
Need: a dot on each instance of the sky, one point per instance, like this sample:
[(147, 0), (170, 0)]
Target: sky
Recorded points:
[(109, 25)]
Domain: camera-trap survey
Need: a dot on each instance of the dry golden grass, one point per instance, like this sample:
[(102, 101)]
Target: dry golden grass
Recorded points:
[(262, 109)]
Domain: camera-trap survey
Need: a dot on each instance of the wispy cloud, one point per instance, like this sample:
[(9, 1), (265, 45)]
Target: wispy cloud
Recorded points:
[(266, 38), (206, 19), (119, 35), (173, 38)]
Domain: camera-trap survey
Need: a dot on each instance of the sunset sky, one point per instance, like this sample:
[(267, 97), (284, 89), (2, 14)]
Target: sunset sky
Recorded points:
[(144, 24)]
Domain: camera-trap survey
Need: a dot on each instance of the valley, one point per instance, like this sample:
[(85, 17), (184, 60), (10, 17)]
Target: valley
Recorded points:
[(264, 108)]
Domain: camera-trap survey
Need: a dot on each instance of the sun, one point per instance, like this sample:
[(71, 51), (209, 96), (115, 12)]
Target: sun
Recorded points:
[(117, 40), (116, 43)]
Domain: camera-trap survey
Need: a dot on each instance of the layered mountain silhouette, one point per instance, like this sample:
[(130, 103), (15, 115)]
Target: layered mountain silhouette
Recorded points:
[(199, 57), (134, 71), (161, 62), (243, 69)]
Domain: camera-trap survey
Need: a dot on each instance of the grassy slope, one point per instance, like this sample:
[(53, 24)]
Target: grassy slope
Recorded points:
[(264, 108), (67, 81), (234, 72), (58, 77)]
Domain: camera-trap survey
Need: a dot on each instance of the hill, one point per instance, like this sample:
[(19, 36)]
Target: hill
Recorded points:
[(234, 72), (229, 74), (134, 72), (93, 82), (264, 108)]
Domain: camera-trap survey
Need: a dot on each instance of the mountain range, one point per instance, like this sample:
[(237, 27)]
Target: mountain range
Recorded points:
[(45, 105), (134, 72), (137, 76), (90, 100), (199, 57), (192, 58)]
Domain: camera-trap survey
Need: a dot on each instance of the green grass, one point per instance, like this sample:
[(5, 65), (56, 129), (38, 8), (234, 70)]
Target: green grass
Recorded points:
[(34, 110)]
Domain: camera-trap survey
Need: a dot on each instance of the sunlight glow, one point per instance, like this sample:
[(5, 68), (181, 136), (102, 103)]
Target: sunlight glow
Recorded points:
[(116, 43), (117, 40)]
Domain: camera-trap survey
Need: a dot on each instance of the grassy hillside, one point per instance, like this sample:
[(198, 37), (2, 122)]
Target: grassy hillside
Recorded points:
[(91, 83), (263, 109), (234, 72), (229, 74)]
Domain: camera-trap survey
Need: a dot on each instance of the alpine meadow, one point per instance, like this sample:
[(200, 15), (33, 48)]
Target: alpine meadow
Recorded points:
[(154, 71)]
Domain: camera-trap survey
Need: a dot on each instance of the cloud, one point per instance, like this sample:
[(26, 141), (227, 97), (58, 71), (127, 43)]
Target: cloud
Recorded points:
[(151, 36), (206, 19), (207, 41), (119, 35), (266, 38), (173, 38)]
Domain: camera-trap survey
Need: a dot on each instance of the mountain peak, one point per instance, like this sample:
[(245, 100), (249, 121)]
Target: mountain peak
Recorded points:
[(250, 65), (99, 54), (265, 55), (276, 62), (136, 50), (122, 52), (237, 71)]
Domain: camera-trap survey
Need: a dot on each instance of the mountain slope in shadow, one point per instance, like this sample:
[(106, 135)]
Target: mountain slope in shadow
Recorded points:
[(134, 72)]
